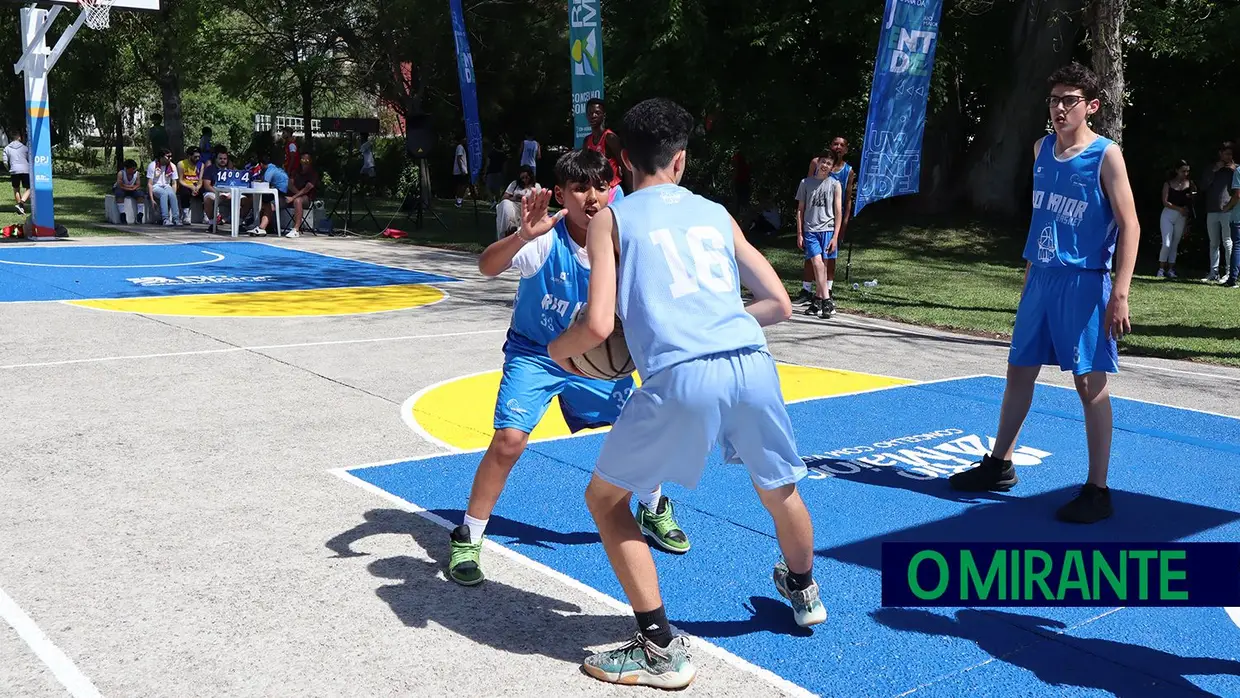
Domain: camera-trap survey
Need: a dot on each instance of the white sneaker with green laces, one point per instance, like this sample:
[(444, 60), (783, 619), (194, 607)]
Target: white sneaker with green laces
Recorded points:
[(807, 608), (640, 662)]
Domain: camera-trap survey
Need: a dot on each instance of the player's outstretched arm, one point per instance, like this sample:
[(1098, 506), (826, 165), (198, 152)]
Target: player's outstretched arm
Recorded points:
[(497, 257), (771, 303), (1115, 182), (600, 318)]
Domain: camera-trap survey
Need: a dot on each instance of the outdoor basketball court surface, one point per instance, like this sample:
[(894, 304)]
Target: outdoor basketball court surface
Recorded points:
[(228, 468)]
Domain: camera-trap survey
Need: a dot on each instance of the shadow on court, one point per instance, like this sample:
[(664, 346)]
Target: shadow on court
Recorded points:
[(493, 614), (1071, 661), (512, 532), (1138, 518)]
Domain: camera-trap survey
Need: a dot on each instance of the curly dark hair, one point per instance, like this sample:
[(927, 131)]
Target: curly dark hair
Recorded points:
[(1076, 75)]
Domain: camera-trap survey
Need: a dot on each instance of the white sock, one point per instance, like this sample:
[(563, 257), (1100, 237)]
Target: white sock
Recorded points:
[(476, 527), (651, 499), (141, 209), (808, 286), (829, 285)]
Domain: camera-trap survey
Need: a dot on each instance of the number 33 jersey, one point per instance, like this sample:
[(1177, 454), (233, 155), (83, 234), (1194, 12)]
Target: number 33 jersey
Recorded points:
[(555, 281), (678, 285)]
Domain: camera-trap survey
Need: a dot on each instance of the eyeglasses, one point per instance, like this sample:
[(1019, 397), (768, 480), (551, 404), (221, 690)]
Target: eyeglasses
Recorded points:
[(1068, 101)]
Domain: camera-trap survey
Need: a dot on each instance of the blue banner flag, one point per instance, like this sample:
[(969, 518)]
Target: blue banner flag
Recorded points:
[(585, 47), (469, 91), (981, 575), (891, 156)]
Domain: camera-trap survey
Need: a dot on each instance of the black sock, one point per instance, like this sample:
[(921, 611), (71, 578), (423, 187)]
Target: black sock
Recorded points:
[(653, 625), (800, 582)]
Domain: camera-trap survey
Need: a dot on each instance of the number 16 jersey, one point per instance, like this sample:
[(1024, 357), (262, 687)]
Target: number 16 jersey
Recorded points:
[(678, 285)]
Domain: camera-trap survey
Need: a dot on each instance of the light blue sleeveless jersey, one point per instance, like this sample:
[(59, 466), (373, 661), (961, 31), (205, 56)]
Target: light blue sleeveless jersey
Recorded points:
[(1072, 224), (545, 302), (678, 286), (842, 178)]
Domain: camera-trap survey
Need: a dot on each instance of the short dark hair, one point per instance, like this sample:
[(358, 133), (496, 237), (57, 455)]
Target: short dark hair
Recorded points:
[(1076, 75), (653, 132), (1227, 145), (130, 163), (582, 167), (828, 154), (593, 101), (191, 150), (525, 169)]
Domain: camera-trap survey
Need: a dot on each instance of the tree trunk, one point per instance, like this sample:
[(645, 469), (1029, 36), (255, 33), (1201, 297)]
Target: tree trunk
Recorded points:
[(944, 145), (1107, 57), (1043, 34), (307, 103), (118, 112), (170, 93)]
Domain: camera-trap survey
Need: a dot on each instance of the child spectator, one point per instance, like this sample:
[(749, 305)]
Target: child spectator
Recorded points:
[(129, 186), (189, 184), (161, 182)]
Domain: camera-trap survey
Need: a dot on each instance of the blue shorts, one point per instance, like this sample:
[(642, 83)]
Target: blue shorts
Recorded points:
[(816, 244), (670, 425), (1061, 321), (530, 382)]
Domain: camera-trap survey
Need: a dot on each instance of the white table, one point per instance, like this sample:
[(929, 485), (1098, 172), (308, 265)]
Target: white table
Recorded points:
[(235, 194)]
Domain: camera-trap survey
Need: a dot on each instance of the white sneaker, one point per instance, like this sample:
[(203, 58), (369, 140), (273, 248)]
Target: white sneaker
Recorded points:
[(1225, 280), (1160, 274), (1171, 274), (256, 232), (292, 234)]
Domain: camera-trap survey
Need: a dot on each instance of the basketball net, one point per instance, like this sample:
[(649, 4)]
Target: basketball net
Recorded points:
[(97, 12)]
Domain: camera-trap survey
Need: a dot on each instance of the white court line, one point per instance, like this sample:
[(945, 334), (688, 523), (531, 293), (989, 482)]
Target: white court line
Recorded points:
[(698, 644), (62, 667), (1214, 376), (261, 347), (218, 257)]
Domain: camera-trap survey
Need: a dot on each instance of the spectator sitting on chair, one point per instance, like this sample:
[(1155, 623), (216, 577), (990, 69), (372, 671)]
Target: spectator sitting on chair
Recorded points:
[(17, 160), (278, 179), (189, 184), (508, 213), (161, 182), (210, 195), (302, 190), (129, 186)]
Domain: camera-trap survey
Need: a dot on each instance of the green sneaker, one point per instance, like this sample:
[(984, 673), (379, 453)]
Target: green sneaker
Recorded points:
[(465, 565), (640, 662), (661, 526)]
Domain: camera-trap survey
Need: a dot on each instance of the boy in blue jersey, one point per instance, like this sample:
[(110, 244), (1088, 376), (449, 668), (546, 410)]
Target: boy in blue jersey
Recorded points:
[(549, 252), (843, 173), (1071, 313), (671, 264)]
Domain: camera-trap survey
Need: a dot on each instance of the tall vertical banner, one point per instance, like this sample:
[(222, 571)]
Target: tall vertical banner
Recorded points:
[(585, 47), (38, 127), (891, 156), (469, 91)]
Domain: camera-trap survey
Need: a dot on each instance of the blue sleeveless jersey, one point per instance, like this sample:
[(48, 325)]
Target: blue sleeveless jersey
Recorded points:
[(545, 302), (678, 286), (842, 178), (1072, 224)]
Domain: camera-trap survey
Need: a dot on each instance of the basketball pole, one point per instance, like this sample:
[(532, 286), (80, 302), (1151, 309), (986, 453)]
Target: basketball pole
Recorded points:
[(36, 62)]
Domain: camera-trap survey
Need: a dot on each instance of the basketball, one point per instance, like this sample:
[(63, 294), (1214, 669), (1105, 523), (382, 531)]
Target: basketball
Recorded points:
[(608, 361)]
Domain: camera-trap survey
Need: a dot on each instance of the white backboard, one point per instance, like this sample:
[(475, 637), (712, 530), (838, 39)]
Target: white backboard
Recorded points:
[(127, 5)]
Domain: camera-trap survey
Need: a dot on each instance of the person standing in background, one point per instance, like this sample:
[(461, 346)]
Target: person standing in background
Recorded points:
[(1233, 209), (460, 171), (1177, 200), (17, 160), (531, 153), (205, 147), (157, 135), (1218, 194)]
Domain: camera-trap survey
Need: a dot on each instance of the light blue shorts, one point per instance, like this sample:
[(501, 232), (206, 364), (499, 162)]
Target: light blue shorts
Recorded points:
[(531, 382), (1060, 322), (670, 425)]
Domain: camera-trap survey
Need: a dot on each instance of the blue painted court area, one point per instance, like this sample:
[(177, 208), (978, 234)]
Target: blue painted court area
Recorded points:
[(880, 462), (130, 271)]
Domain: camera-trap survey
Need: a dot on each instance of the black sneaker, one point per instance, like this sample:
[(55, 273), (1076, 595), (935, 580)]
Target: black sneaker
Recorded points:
[(123, 221), (829, 307), (812, 309), (824, 309), (1091, 505), (804, 297), (21, 210), (991, 475)]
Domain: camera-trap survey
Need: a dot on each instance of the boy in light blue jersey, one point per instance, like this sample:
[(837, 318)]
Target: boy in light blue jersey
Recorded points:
[(1071, 313), (549, 252), (707, 378)]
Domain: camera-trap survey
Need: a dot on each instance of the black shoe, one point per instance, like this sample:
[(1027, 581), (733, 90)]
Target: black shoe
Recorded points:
[(123, 221), (829, 307), (824, 309), (1091, 505), (812, 309), (804, 297), (991, 475)]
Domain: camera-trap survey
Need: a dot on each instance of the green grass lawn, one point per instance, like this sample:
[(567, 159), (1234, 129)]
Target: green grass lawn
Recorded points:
[(964, 277)]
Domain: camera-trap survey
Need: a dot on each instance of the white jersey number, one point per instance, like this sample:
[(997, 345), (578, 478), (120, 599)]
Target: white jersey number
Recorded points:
[(710, 261)]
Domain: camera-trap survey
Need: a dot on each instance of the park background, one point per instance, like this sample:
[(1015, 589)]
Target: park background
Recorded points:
[(773, 79)]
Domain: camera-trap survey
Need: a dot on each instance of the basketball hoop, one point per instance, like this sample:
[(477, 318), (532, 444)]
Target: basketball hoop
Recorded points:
[(97, 12)]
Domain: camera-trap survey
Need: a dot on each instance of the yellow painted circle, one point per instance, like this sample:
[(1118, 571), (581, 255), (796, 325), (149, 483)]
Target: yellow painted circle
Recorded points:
[(460, 413), (297, 303)]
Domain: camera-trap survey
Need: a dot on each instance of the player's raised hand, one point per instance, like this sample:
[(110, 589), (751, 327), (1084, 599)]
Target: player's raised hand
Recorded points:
[(534, 218)]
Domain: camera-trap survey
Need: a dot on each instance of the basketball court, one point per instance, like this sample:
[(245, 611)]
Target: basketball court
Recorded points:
[(230, 465)]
